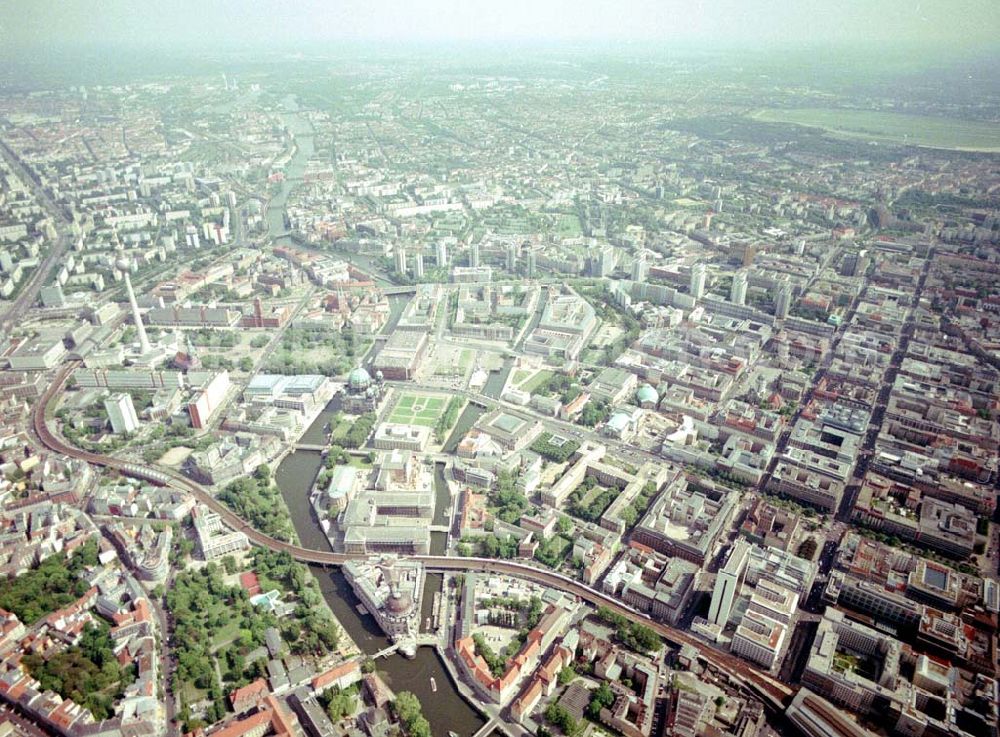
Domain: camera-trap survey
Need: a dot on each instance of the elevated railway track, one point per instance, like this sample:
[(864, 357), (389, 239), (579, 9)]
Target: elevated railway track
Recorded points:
[(773, 692)]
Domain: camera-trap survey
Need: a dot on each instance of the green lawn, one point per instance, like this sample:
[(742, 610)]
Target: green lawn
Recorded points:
[(536, 381), (192, 695), (568, 226), (418, 409), (915, 130), (337, 434), (226, 635)]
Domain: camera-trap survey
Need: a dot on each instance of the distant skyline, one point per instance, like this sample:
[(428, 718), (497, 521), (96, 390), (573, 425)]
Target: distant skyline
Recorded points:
[(208, 24)]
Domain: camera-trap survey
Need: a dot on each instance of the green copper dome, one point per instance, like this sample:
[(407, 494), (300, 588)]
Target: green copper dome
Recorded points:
[(359, 379), (647, 395)]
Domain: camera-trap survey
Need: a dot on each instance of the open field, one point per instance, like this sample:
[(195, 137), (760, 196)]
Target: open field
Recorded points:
[(455, 362), (418, 409), (914, 130), (175, 456), (568, 226)]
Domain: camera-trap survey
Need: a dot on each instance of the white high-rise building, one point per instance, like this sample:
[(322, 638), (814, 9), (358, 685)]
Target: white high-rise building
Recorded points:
[(400, 255), (511, 257), (640, 269), (783, 300), (698, 281), (738, 292), (418, 265), (603, 263), (442, 254), (474, 255), (121, 413), (531, 263), (728, 581)]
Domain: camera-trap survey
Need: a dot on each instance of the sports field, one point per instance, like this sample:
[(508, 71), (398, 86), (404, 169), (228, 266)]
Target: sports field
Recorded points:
[(913, 130), (418, 409)]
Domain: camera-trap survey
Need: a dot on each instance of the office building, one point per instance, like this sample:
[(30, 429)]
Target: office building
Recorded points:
[(400, 256), (698, 281), (214, 538), (602, 264), (640, 269), (121, 413), (442, 254), (418, 265), (728, 582), (759, 639), (474, 255), (208, 400), (738, 291), (783, 301), (854, 263)]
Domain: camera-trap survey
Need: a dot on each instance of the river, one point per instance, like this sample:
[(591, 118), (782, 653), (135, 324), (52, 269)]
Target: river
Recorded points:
[(450, 711), (445, 708), (305, 146)]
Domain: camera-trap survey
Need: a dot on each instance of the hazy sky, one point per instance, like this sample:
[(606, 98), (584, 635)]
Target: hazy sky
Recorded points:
[(211, 23)]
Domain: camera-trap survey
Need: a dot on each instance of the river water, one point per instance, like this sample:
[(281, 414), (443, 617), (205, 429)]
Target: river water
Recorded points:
[(445, 708)]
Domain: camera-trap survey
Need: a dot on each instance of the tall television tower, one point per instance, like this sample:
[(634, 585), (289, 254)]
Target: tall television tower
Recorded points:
[(124, 265)]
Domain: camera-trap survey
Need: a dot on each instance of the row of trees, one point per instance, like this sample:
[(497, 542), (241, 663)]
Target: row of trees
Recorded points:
[(210, 337), (633, 635), (560, 717), (448, 418), (357, 436), (631, 513), (410, 715)]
